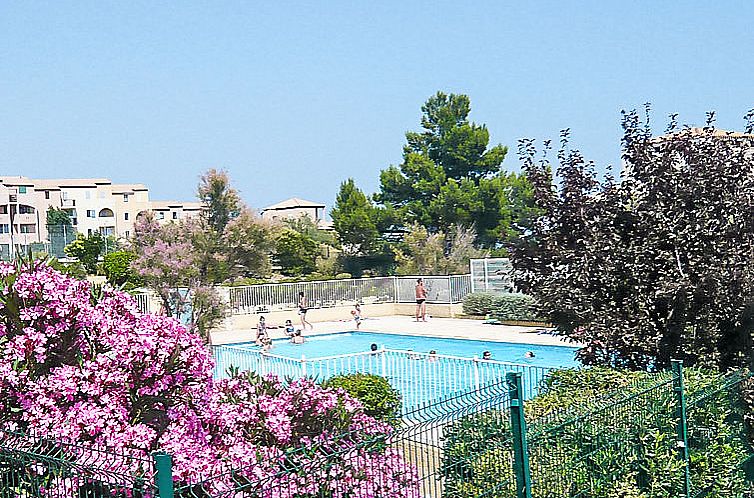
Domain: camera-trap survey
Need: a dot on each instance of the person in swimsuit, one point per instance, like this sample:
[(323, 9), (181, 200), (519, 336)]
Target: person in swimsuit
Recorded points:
[(298, 338), (289, 330), (421, 301), (356, 313), (261, 331), (302, 309)]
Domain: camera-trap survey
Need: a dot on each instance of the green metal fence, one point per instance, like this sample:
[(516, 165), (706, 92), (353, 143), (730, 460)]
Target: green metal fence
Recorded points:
[(648, 440), (40, 466), (673, 434)]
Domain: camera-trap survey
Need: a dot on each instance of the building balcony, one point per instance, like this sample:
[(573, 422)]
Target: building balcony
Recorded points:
[(25, 219), (68, 203)]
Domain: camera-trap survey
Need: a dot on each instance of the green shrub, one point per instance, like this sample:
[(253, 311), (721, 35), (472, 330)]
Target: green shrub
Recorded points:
[(478, 303), (505, 307), (379, 398), (630, 444), (117, 268)]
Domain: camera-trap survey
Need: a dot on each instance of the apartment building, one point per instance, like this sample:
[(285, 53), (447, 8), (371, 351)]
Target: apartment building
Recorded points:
[(167, 211), (94, 205)]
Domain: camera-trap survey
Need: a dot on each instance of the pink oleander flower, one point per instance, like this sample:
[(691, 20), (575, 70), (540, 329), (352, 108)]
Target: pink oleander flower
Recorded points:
[(101, 375)]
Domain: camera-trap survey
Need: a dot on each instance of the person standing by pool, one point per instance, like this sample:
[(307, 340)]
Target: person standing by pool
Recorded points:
[(302, 309), (357, 315), (421, 301), (261, 331)]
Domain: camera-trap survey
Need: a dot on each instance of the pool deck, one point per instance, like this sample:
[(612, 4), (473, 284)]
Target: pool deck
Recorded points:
[(455, 328)]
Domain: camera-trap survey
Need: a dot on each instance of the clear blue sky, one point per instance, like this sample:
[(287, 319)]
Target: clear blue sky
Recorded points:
[(291, 98)]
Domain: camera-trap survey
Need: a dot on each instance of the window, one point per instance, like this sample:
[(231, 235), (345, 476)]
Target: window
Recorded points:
[(4, 228), (125, 197), (102, 195), (161, 216), (90, 213), (88, 194), (24, 209), (126, 216), (175, 215), (4, 209), (128, 234), (47, 194), (89, 232), (28, 229), (21, 190), (74, 221), (65, 196)]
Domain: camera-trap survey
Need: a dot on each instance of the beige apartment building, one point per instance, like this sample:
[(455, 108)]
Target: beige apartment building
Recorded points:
[(94, 205)]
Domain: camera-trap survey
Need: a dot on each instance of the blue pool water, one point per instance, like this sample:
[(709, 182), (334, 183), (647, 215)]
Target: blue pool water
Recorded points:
[(358, 342), (421, 380)]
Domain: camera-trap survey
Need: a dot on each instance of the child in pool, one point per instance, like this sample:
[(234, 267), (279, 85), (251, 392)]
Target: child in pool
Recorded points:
[(289, 330)]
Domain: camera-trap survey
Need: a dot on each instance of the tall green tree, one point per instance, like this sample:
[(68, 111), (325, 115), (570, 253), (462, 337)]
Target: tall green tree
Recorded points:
[(221, 200), (355, 220), (58, 217), (296, 253), (451, 175)]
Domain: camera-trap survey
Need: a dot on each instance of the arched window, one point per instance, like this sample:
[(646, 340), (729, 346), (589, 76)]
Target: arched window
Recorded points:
[(106, 213)]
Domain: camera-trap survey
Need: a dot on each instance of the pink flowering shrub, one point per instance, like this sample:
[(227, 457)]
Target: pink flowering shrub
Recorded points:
[(95, 372)]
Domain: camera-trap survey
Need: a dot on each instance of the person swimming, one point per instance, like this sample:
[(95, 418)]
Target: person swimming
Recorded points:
[(530, 354), (486, 355), (298, 338)]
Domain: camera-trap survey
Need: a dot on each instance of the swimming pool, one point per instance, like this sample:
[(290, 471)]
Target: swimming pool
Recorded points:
[(358, 342), (420, 377)]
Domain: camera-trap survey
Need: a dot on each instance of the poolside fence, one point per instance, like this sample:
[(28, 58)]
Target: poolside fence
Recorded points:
[(421, 378), (651, 439), (449, 289)]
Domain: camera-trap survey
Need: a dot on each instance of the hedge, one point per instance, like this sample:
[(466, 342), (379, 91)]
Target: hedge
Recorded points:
[(609, 453), (505, 307), (381, 400)]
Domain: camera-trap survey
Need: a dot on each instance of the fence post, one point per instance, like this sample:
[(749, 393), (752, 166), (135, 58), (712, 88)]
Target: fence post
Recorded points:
[(682, 428), (163, 479), (518, 428), (262, 363), (383, 361), (303, 366), (395, 288), (476, 372)]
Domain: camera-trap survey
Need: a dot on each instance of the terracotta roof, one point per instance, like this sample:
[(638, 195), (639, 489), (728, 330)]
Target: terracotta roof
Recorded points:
[(292, 203)]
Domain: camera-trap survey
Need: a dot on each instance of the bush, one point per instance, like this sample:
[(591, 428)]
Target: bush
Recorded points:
[(577, 447), (117, 268), (85, 366), (381, 401), (506, 307), (478, 303)]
